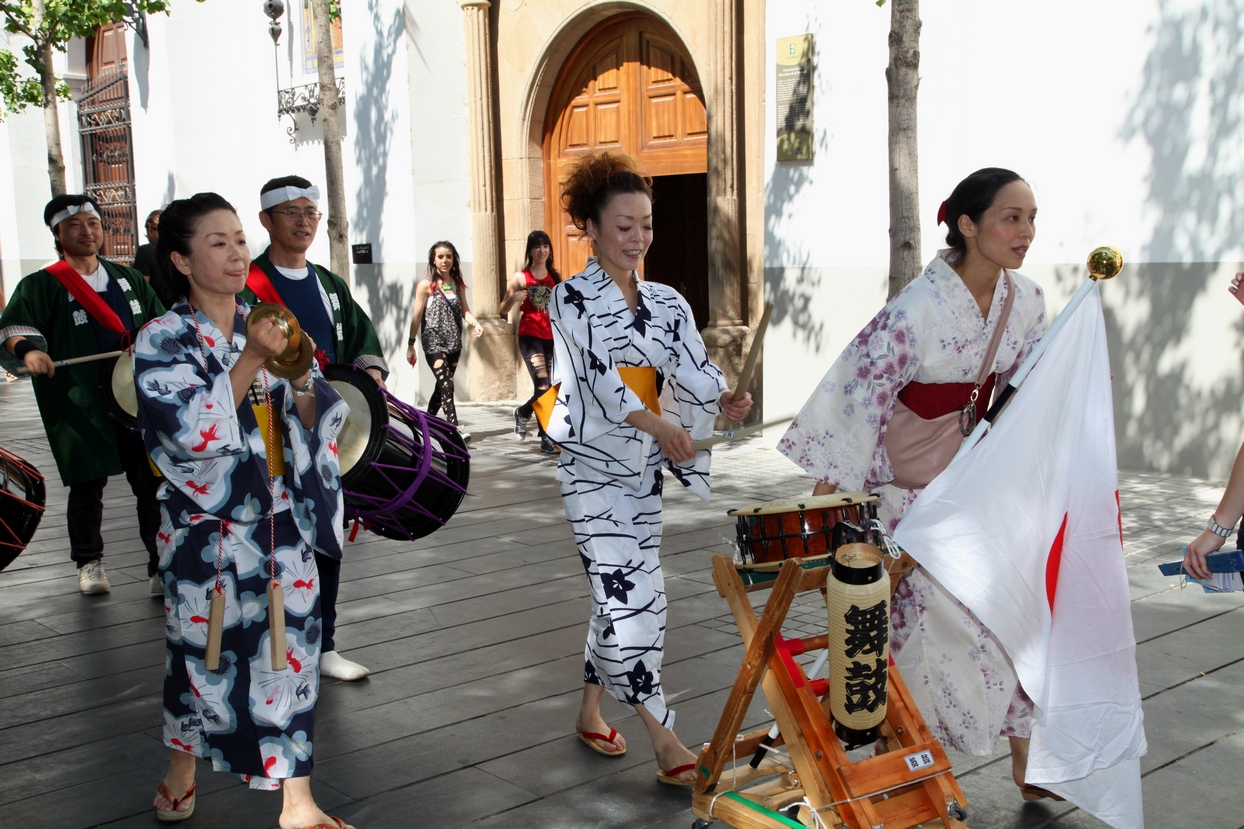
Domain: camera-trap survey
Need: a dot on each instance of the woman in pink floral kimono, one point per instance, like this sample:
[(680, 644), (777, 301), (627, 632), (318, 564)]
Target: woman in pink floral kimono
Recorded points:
[(927, 346)]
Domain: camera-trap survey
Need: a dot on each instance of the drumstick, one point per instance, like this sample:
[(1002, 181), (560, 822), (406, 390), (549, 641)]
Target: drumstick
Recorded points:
[(73, 361), (705, 443), (749, 364)]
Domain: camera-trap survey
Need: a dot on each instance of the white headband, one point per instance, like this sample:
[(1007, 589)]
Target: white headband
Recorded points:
[(71, 210), (280, 195)]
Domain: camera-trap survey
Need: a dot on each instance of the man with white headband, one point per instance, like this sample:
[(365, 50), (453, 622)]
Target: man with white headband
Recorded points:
[(341, 330), (81, 305)]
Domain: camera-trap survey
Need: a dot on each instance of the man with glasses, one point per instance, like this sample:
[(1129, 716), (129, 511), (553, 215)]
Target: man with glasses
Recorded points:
[(77, 306), (341, 330)]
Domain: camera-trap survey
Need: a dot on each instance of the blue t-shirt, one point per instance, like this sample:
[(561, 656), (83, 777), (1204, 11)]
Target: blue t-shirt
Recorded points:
[(302, 297), (114, 298)]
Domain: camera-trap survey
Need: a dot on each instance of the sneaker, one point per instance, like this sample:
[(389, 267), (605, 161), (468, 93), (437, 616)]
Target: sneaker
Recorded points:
[(92, 580), (548, 447), (333, 664), (156, 587), (520, 424), (465, 435)]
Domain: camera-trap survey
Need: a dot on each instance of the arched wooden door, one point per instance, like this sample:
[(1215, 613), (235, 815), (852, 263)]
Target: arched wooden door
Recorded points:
[(630, 87)]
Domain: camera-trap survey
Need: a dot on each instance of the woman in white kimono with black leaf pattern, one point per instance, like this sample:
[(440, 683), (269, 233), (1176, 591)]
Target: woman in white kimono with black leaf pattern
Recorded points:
[(614, 447)]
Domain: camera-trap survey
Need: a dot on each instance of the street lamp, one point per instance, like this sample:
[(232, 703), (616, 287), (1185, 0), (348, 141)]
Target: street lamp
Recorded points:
[(274, 9)]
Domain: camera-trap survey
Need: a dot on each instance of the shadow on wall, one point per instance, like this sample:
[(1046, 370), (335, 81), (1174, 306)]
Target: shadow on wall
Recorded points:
[(374, 119), (792, 285), (1188, 113)]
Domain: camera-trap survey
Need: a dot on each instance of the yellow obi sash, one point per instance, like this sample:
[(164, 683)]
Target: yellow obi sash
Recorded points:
[(276, 458), (640, 379)]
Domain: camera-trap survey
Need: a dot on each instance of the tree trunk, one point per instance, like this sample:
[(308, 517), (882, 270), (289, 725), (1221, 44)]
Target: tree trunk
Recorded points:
[(338, 222), (51, 110), (903, 80)]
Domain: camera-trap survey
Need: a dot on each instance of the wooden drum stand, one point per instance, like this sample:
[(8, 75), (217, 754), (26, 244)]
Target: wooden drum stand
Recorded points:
[(909, 786)]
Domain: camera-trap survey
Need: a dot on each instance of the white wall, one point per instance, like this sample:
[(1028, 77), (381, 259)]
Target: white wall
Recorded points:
[(25, 242), (203, 106), (1122, 115), (205, 119), (439, 148), (440, 137)]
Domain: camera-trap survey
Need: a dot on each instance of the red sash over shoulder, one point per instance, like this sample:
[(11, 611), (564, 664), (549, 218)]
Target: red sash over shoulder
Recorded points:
[(86, 296), (261, 286), (932, 400)]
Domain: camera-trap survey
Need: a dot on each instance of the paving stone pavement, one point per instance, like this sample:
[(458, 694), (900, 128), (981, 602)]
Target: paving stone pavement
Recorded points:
[(475, 639)]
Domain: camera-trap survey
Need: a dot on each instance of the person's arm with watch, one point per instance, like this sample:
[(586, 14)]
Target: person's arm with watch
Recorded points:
[(304, 399), (1221, 523)]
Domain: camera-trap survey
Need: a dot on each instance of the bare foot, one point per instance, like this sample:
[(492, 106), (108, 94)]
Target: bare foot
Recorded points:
[(674, 755), (177, 780), (305, 819), (1019, 759), (589, 718), (597, 725), (163, 804), (298, 809)]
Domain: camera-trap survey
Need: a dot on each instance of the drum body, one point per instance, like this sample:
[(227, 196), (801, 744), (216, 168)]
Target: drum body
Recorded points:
[(116, 382), (404, 472), (773, 531), (22, 499)]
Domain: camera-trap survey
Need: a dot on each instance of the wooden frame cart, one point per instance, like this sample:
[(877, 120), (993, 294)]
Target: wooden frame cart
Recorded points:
[(909, 786)]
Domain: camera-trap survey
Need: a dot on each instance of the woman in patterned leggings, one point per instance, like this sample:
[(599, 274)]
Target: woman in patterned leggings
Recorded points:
[(530, 289), (440, 309)]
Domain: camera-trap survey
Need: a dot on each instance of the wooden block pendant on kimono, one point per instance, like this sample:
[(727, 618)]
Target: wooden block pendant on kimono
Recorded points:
[(215, 628), (276, 624), (272, 445)]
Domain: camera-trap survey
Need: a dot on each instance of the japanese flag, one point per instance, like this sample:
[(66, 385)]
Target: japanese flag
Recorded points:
[(1025, 530)]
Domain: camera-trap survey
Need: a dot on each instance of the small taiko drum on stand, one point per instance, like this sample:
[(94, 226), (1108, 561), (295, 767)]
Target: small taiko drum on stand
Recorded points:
[(22, 500), (808, 528), (404, 472)]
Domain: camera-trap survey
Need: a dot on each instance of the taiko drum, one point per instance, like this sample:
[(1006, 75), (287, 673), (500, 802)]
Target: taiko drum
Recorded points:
[(773, 531)]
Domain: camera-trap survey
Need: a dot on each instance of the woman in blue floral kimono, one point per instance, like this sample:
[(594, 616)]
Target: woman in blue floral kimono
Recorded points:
[(927, 344), (607, 322), (235, 515)]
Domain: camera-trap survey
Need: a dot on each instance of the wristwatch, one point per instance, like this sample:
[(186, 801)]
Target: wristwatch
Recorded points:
[(306, 388), (1218, 529)]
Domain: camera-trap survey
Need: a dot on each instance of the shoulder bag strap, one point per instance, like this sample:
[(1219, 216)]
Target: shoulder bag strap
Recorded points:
[(992, 351)]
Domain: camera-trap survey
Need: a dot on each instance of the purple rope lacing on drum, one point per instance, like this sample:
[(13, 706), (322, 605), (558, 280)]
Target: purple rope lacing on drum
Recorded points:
[(380, 508)]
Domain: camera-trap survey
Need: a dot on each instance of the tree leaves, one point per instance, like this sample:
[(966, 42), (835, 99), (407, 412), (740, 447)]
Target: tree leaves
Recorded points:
[(61, 22)]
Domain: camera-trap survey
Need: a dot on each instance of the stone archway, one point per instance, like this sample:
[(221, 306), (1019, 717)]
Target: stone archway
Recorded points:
[(629, 86)]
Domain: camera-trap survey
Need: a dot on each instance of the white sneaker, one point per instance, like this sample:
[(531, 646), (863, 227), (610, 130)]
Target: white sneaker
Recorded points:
[(157, 586), (92, 580), (333, 664), (465, 435)]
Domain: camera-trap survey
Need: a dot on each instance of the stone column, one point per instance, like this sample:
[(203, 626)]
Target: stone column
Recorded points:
[(726, 333), (491, 367)]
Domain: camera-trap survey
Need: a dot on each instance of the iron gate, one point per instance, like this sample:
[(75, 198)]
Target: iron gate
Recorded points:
[(108, 158)]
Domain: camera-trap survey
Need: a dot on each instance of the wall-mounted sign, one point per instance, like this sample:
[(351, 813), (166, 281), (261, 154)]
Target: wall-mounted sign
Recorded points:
[(361, 254), (794, 98)]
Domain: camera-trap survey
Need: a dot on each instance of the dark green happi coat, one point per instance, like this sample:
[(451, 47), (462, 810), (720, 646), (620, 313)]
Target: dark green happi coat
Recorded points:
[(71, 403), (355, 339)]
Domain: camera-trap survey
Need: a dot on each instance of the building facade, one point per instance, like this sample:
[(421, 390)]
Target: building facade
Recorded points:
[(460, 116)]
